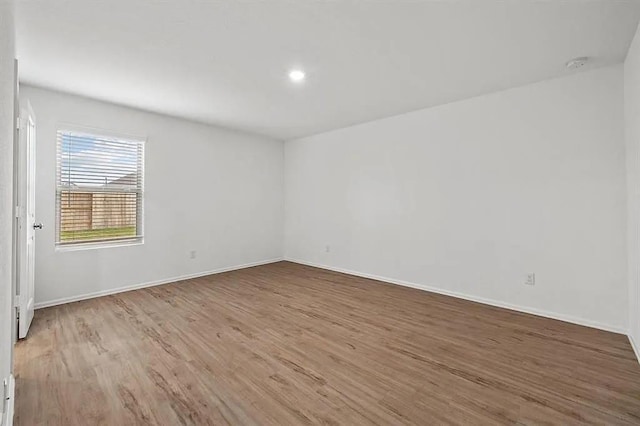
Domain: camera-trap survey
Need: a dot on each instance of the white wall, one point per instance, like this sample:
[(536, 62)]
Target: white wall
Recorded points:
[(7, 94), (206, 189), (468, 197), (632, 136)]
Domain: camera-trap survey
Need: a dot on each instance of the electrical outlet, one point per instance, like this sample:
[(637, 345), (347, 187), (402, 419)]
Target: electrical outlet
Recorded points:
[(192, 254), (530, 279), (327, 249)]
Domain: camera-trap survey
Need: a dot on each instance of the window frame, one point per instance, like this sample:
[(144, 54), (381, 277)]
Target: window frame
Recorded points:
[(106, 243)]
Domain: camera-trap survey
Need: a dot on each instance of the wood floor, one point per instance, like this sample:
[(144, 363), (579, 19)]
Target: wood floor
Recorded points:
[(285, 344)]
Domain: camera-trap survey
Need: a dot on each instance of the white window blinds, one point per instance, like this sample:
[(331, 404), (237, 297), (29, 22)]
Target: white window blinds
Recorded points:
[(99, 194)]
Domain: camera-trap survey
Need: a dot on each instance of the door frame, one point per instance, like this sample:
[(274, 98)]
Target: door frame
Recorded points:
[(15, 231)]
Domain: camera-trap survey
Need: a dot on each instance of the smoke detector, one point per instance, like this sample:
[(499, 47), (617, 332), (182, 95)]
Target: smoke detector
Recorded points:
[(576, 63)]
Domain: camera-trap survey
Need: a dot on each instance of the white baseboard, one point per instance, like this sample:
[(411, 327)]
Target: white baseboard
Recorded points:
[(48, 303), (636, 349), (518, 308)]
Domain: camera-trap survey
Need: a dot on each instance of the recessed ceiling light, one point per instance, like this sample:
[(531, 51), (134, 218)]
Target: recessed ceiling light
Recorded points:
[(296, 76), (576, 63)]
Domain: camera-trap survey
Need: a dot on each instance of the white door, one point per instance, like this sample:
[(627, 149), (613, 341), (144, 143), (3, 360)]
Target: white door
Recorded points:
[(27, 219)]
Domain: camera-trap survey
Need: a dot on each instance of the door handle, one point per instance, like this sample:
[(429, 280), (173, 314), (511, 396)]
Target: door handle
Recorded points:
[(37, 226)]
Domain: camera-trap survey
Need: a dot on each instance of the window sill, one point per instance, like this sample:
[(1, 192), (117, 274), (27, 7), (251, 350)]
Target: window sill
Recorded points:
[(98, 245)]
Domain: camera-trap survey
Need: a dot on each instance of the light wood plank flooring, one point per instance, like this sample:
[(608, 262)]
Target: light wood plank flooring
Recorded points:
[(286, 344)]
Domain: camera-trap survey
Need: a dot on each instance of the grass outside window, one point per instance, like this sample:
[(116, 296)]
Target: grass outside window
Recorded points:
[(98, 234)]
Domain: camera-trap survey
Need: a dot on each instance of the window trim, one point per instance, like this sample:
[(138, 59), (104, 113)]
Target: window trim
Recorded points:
[(105, 243), (98, 245)]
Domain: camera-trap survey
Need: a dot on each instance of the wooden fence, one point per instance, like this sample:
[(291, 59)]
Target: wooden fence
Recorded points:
[(83, 211)]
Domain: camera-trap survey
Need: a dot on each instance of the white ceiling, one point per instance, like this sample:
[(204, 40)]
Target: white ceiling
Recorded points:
[(226, 62)]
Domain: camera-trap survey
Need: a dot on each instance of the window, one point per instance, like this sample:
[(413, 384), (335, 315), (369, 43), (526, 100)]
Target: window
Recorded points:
[(99, 189)]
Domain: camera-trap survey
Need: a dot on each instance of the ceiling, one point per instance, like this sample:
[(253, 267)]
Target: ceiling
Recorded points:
[(226, 62)]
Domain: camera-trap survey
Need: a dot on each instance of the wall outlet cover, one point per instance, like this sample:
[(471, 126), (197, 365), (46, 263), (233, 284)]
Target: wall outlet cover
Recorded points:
[(530, 279)]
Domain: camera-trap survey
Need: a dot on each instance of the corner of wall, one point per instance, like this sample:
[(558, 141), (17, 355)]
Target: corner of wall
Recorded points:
[(632, 145)]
